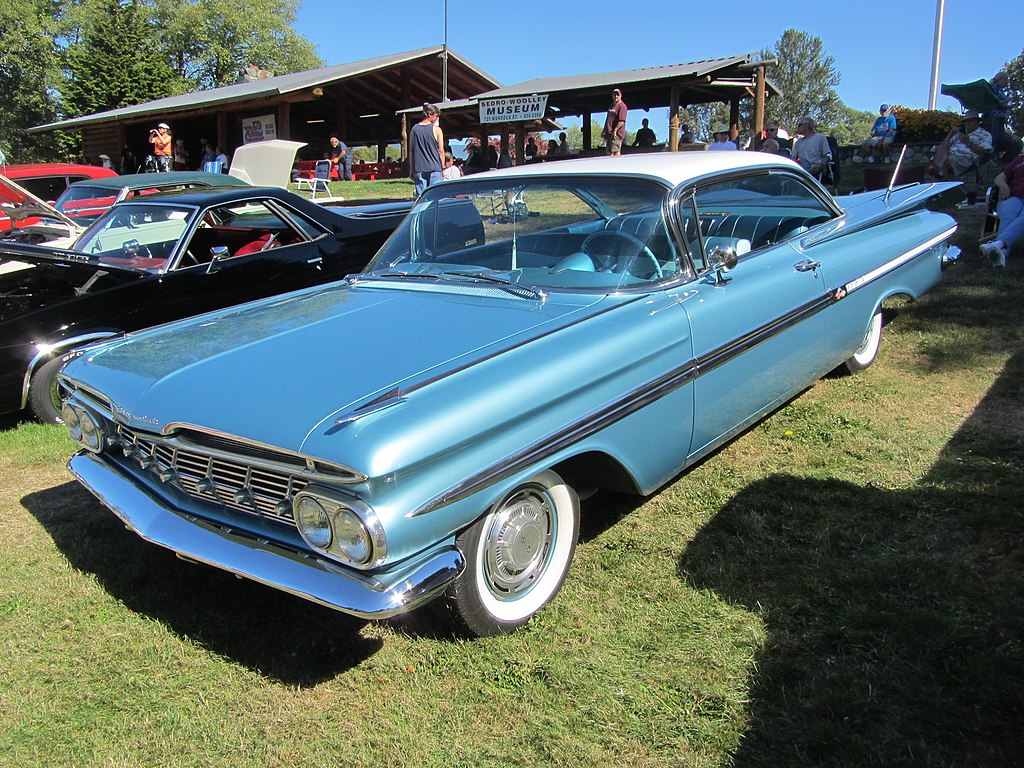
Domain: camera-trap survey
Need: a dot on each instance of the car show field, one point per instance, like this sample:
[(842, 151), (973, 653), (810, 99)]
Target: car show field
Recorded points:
[(795, 590)]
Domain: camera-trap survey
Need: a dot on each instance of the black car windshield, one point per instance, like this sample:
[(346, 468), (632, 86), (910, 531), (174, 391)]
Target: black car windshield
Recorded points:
[(136, 236), (577, 233)]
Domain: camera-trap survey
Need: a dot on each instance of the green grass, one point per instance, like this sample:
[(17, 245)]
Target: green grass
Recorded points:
[(842, 585), (359, 190)]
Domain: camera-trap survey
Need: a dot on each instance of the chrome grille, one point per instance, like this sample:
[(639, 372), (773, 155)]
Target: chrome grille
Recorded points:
[(230, 481)]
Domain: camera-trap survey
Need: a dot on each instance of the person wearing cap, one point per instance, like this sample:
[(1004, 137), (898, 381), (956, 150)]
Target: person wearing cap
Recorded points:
[(105, 162), (964, 146), (811, 149), (720, 134), (615, 125), (879, 143), (163, 146)]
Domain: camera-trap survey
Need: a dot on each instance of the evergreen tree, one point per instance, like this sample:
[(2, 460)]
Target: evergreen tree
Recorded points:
[(807, 79), (115, 63)]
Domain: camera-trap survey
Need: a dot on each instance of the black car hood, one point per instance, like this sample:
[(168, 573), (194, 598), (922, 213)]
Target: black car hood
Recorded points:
[(34, 277)]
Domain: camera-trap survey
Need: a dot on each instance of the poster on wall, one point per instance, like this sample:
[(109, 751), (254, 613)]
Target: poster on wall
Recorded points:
[(259, 128)]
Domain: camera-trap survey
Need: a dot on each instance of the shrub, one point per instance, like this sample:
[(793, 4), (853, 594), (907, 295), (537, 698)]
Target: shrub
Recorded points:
[(924, 124)]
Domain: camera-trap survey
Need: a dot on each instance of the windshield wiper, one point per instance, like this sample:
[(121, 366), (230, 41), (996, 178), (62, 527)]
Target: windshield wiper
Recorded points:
[(504, 283), (416, 275)]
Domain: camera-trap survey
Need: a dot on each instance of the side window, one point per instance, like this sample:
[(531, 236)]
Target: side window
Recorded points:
[(47, 188), (243, 228), (751, 213)]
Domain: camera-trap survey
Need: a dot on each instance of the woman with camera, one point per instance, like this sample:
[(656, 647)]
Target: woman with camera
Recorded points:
[(163, 146)]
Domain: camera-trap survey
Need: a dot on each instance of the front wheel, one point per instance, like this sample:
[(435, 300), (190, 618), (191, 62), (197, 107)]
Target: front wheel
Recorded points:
[(44, 391), (868, 350), (517, 556)]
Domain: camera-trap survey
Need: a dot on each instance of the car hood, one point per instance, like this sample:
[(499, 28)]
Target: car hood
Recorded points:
[(322, 351), (37, 277)]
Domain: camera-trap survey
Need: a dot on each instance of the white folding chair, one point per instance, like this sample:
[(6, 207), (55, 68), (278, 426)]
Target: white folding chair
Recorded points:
[(320, 181)]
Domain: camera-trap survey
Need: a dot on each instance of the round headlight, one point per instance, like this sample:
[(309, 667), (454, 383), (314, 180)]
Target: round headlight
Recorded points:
[(71, 422), (313, 522), (352, 538), (92, 433)]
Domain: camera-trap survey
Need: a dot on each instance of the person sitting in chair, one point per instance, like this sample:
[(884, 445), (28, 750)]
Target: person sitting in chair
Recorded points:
[(811, 149), (963, 147), (1010, 183)]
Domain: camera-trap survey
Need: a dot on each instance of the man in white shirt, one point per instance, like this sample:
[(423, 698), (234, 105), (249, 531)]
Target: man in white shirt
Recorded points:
[(811, 149)]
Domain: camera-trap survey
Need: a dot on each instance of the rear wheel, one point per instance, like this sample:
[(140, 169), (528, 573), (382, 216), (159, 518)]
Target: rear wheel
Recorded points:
[(517, 556), (868, 350), (44, 392)]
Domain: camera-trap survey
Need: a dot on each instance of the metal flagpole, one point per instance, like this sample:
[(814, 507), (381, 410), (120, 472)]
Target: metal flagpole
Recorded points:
[(940, 8)]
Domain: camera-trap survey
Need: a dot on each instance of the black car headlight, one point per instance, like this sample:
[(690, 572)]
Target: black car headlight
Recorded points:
[(343, 528), (86, 428)]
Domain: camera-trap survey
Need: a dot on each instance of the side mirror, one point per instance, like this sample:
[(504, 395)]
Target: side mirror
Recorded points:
[(217, 254), (721, 258)]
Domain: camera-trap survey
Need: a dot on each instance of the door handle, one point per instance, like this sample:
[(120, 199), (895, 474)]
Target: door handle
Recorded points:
[(807, 265)]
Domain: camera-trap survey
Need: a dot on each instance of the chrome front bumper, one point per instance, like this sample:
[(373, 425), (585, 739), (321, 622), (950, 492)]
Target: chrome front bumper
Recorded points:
[(374, 596)]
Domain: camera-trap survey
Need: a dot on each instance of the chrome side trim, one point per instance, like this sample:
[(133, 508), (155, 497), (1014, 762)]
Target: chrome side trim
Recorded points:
[(596, 420), (379, 596), (60, 347), (892, 264), (552, 443)]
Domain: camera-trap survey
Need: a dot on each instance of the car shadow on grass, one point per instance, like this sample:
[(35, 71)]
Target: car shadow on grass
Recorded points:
[(279, 635), (895, 619)]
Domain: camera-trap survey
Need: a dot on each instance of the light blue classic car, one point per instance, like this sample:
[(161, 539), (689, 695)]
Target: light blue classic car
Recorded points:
[(430, 425)]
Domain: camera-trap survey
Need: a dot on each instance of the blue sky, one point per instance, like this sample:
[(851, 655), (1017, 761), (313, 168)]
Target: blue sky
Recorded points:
[(883, 51)]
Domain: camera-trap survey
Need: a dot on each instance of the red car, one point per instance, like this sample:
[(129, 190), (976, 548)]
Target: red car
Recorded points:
[(47, 181)]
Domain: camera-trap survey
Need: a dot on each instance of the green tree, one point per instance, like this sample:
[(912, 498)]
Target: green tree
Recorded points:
[(851, 126), (807, 78), (1015, 69), (209, 42), (114, 62), (29, 70)]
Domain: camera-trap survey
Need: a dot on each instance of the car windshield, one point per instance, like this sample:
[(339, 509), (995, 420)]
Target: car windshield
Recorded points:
[(136, 236), (567, 233), (84, 203)]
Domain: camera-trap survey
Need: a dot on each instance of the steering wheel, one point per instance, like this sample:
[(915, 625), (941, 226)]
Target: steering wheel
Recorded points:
[(131, 249), (613, 256)]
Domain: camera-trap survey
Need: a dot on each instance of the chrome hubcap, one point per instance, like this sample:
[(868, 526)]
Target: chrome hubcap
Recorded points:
[(518, 544)]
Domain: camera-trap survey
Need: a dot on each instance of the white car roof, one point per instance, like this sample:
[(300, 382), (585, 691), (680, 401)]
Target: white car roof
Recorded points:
[(674, 167)]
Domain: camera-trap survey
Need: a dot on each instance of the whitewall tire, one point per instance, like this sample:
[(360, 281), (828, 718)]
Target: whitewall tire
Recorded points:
[(517, 555), (868, 350)]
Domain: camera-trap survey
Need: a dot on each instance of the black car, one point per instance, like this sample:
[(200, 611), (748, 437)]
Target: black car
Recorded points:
[(163, 257)]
